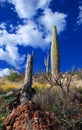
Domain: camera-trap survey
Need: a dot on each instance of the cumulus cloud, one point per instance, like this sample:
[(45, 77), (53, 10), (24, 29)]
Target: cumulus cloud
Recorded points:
[(49, 19), (25, 35), (28, 8), (4, 72), (30, 33), (43, 4), (79, 21), (8, 48), (11, 56), (24, 8), (2, 26)]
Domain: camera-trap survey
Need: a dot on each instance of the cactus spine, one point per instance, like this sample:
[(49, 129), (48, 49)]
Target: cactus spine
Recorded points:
[(55, 65)]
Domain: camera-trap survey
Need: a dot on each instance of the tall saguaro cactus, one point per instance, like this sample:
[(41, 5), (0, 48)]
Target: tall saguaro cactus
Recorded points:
[(55, 61)]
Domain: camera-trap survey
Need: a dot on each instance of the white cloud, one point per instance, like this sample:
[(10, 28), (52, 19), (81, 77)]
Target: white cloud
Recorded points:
[(43, 4), (11, 56), (24, 8), (30, 33), (2, 26), (4, 72), (79, 21), (25, 35), (10, 52), (49, 19), (28, 8)]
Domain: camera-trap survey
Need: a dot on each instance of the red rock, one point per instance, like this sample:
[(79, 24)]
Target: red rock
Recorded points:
[(30, 117), (9, 128)]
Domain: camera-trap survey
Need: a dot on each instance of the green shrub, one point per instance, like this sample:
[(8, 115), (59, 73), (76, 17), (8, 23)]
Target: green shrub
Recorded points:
[(3, 112), (14, 77), (79, 89)]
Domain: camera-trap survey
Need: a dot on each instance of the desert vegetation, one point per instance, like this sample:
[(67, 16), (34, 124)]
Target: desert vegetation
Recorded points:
[(50, 101), (68, 111)]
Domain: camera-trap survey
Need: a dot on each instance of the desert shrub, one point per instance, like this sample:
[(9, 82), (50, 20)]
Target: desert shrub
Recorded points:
[(14, 77), (79, 73), (79, 89), (1, 91), (4, 108), (46, 98), (68, 111), (36, 89), (40, 77), (3, 112)]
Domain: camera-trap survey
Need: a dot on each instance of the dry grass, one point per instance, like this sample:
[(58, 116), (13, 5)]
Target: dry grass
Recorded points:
[(9, 86), (38, 85)]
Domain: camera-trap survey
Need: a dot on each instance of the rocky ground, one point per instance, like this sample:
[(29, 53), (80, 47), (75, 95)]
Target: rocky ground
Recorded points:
[(30, 116)]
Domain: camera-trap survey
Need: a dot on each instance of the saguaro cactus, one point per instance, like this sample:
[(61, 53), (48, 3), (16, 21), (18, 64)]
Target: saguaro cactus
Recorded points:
[(55, 61), (46, 62)]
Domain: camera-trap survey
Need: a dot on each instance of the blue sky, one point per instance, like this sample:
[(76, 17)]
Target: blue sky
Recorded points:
[(26, 26)]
